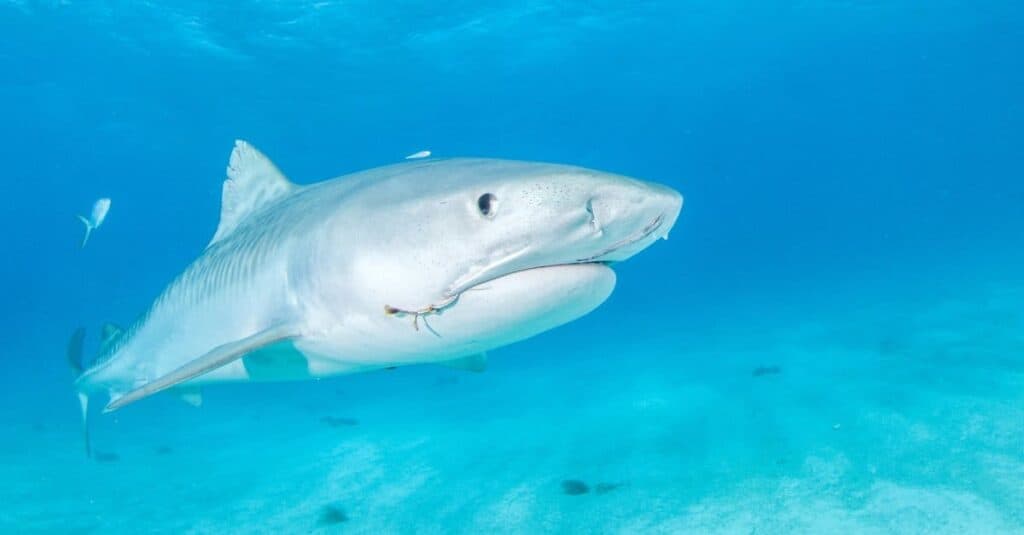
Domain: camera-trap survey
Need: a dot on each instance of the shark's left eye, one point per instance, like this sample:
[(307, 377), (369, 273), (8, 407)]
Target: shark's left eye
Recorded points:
[(488, 204)]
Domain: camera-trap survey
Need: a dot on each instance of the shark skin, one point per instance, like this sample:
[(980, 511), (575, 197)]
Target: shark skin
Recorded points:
[(429, 261)]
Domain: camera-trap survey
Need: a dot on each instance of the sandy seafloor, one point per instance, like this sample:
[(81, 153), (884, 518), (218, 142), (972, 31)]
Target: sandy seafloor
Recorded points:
[(898, 412)]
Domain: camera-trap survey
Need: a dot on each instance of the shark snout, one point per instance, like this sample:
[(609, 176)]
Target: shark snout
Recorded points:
[(631, 206), (668, 202), (628, 216)]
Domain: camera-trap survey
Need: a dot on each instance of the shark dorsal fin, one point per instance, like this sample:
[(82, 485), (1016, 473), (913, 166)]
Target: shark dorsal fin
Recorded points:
[(253, 182), (108, 334)]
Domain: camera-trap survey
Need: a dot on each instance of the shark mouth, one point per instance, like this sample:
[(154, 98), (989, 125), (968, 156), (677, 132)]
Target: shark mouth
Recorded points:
[(644, 233), (475, 279)]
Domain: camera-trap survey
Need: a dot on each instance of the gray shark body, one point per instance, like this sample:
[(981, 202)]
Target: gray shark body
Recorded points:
[(427, 261)]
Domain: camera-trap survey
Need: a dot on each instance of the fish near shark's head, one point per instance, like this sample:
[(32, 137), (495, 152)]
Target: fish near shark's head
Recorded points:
[(459, 256)]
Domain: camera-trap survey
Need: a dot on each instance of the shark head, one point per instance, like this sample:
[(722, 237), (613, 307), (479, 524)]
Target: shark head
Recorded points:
[(452, 257)]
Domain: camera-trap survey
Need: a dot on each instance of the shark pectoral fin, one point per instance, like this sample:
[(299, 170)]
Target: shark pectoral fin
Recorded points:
[(472, 363), (216, 358), (193, 395)]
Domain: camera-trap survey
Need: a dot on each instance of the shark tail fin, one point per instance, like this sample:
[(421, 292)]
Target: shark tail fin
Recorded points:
[(75, 353), (88, 229)]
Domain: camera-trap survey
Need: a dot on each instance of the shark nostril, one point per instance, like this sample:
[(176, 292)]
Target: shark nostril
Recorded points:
[(593, 218)]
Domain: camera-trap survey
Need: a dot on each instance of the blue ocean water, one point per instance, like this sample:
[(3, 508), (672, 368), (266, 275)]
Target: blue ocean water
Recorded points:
[(831, 341)]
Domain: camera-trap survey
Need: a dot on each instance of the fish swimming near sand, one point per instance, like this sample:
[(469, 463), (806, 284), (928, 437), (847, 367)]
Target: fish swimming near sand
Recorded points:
[(95, 219), (430, 261)]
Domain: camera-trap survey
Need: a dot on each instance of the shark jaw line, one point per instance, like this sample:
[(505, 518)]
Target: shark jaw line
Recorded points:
[(644, 233), (475, 278), (456, 290)]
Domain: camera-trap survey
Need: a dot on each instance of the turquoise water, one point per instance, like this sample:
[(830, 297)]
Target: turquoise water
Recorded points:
[(830, 342)]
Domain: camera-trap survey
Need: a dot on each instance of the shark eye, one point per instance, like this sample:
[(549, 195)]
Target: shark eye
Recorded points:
[(488, 204)]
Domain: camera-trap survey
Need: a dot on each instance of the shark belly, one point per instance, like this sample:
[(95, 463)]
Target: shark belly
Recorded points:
[(534, 301)]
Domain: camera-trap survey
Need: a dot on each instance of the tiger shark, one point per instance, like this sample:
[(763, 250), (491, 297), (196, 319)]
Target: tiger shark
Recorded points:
[(429, 261)]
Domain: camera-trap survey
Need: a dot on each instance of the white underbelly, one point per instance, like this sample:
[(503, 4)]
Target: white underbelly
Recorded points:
[(512, 308)]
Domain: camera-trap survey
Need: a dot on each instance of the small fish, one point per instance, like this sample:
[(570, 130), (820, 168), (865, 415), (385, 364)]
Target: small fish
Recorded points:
[(95, 219), (418, 155), (574, 487)]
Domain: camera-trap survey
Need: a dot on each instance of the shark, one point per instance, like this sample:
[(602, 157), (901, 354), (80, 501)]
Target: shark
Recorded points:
[(425, 261)]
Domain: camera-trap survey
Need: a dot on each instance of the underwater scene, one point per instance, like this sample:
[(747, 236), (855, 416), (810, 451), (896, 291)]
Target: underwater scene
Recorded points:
[(534, 266)]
